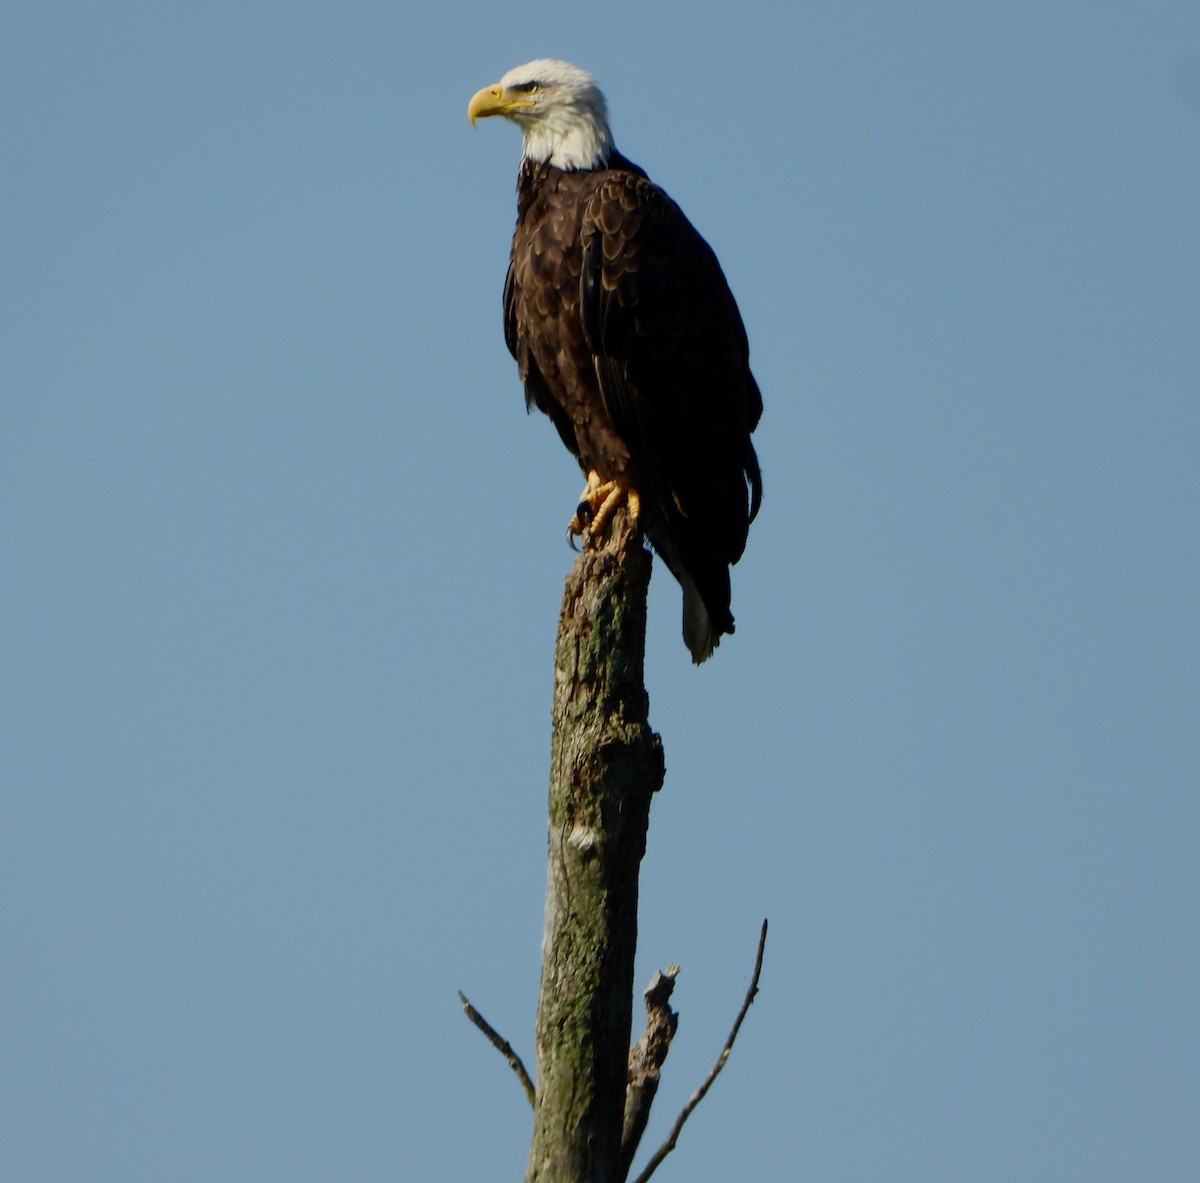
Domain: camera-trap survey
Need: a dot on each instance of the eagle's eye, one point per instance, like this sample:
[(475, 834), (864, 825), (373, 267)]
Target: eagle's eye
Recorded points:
[(527, 87)]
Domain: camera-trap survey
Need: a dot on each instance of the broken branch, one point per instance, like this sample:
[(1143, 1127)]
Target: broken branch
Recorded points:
[(646, 1060), (714, 1072)]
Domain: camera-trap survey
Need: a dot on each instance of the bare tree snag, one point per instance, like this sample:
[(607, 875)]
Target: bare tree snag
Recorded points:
[(606, 764)]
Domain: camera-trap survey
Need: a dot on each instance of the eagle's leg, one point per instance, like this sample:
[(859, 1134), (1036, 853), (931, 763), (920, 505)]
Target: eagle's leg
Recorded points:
[(597, 504)]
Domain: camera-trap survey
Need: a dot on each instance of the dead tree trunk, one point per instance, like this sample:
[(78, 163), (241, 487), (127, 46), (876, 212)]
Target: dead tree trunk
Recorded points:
[(606, 764)]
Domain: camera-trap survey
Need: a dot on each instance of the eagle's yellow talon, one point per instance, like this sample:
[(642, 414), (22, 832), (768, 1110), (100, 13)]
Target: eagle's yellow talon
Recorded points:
[(597, 504)]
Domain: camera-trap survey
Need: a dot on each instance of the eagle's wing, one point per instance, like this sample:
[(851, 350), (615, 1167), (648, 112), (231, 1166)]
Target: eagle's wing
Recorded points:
[(537, 393), (672, 361)]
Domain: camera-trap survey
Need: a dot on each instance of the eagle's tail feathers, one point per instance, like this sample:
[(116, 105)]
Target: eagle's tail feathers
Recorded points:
[(698, 632)]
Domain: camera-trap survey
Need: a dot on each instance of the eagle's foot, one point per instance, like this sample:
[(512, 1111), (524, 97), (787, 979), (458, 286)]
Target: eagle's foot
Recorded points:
[(597, 504)]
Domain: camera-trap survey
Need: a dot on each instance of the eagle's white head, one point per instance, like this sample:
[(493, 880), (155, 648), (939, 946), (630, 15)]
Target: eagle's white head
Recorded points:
[(559, 109)]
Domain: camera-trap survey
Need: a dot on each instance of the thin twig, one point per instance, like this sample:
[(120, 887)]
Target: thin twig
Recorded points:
[(698, 1095), (501, 1045)]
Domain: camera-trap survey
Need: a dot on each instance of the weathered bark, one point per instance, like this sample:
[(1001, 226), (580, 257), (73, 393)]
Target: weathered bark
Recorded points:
[(606, 764)]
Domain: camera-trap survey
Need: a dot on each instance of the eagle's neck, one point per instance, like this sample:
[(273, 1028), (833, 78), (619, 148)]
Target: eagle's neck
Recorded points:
[(569, 138), (537, 181)]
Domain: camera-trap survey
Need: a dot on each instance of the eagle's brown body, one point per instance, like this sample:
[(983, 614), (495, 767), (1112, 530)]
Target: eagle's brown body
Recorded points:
[(626, 334)]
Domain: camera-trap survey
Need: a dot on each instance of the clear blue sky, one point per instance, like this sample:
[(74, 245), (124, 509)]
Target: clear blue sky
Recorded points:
[(282, 557)]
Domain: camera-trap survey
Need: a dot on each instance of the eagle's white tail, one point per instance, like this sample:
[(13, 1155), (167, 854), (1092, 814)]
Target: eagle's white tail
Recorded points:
[(698, 633)]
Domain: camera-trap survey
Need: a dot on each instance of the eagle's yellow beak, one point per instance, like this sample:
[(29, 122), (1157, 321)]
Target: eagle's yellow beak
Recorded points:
[(492, 100)]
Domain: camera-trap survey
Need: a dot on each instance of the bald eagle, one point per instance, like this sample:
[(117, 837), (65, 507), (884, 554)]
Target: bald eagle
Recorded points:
[(627, 336)]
